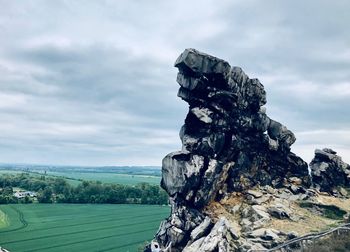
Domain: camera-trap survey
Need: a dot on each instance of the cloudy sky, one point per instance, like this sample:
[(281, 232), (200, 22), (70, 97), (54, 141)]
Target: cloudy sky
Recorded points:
[(93, 82)]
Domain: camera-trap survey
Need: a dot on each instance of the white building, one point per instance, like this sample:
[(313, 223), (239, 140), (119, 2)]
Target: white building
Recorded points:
[(21, 195)]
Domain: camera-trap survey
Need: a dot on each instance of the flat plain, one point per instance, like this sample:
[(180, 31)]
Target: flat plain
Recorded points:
[(79, 227)]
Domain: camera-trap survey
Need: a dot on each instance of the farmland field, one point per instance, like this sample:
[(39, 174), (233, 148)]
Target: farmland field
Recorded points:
[(73, 177), (75, 227), (72, 182), (3, 220), (106, 177), (9, 172)]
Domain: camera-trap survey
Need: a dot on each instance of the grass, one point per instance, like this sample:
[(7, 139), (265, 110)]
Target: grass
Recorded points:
[(328, 211), (70, 227), (3, 220), (338, 243), (106, 177)]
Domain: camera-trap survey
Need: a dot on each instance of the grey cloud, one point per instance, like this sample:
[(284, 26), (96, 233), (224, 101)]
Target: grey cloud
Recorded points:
[(100, 89), (94, 83)]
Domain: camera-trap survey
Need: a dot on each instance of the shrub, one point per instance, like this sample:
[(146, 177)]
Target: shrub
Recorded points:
[(336, 243), (328, 211)]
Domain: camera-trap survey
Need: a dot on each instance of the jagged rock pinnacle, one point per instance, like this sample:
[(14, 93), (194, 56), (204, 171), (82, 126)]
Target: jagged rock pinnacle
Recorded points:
[(329, 172), (229, 144)]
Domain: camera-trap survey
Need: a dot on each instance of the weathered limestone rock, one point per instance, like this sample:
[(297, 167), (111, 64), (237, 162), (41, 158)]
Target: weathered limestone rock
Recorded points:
[(229, 145), (279, 211), (254, 217), (201, 229), (248, 245), (255, 194), (177, 227), (220, 238), (203, 114), (186, 175), (264, 233), (212, 181), (329, 171), (194, 62)]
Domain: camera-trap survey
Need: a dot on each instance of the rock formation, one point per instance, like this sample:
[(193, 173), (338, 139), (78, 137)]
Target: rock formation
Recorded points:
[(229, 144), (235, 172), (329, 172)]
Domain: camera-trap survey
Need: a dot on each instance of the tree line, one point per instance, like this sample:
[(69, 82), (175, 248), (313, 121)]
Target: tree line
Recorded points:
[(58, 190)]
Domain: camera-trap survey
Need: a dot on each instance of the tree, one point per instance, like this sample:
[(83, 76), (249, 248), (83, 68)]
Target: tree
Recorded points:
[(45, 196), (7, 191), (27, 200), (59, 190), (60, 185)]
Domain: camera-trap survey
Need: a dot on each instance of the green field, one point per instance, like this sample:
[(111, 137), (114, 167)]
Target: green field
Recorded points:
[(3, 220), (72, 182), (124, 179), (9, 172), (105, 177), (75, 227)]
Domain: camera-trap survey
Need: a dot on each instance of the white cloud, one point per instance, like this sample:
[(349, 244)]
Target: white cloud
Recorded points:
[(337, 139)]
